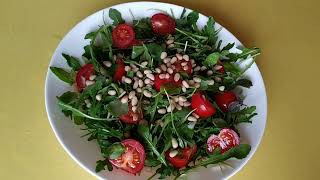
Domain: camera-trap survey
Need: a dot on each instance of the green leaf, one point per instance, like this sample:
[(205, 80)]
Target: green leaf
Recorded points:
[(244, 83), (114, 151), (72, 62), (143, 28), (137, 51), (115, 15), (144, 132), (227, 47), (210, 32), (170, 88), (130, 74), (151, 161), (219, 122), (116, 108), (155, 51), (68, 97), (63, 75), (193, 17), (77, 112), (100, 165), (212, 59), (78, 120)]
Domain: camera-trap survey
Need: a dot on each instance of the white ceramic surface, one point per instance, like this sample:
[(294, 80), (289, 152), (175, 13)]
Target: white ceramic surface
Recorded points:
[(86, 153)]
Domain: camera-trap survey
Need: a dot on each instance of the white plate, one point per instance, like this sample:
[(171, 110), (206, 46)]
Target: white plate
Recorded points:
[(86, 153)]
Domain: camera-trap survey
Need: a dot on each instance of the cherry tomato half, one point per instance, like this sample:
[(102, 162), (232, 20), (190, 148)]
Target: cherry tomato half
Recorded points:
[(131, 117), (163, 24), (183, 157), (180, 68), (123, 36), (163, 82), (224, 99), (132, 160), (203, 107), (119, 70), (84, 74), (226, 140)]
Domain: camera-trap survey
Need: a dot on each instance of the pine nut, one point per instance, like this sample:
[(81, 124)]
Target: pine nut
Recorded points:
[(174, 143), (191, 82), (217, 67), (171, 46), (87, 101), (196, 79), (197, 68), (170, 108), (162, 76), (182, 99), (124, 99), (134, 108), (197, 85), (167, 76), (139, 74), (184, 89), (186, 104), (163, 67), (98, 97), (139, 90), (163, 55), (194, 65), (178, 107), (88, 82), (92, 77), (147, 81), (132, 94), (135, 84), (170, 41), (192, 61), (107, 63), (173, 60), (128, 80), (191, 125), (210, 82), (140, 83), (185, 84), (166, 60), (176, 77), (180, 103), (112, 92), (147, 71), (158, 70), (169, 70), (147, 94), (185, 68), (173, 153), (150, 76), (144, 64), (184, 63), (133, 66), (195, 115), (191, 118), (127, 68), (162, 111), (88, 105), (179, 56), (221, 88), (185, 57), (176, 99), (209, 73), (168, 64), (134, 101), (203, 68), (218, 79)]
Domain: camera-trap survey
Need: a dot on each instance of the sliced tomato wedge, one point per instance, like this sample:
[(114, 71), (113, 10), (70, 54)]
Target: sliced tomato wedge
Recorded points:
[(226, 139), (132, 160), (163, 24), (203, 107), (180, 68), (165, 82), (184, 156), (131, 117), (224, 99), (84, 74), (123, 36), (119, 70)]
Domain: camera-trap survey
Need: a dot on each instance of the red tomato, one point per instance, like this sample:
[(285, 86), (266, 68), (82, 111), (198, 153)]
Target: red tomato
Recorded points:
[(132, 160), (221, 70), (120, 70), (131, 117), (179, 68), (83, 74), (224, 99), (161, 82), (202, 106), (163, 24), (226, 140), (123, 36), (183, 158)]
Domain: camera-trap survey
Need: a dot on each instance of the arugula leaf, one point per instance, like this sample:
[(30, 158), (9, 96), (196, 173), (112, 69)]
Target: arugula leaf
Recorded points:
[(142, 28), (242, 116), (227, 47), (63, 75), (210, 32), (151, 161), (115, 15), (155, 51), (219, 122), (117, 108), (68, 97), (100, 165), (113, 151), (144, 132), (72, 62), (137, 51), (212, 59)]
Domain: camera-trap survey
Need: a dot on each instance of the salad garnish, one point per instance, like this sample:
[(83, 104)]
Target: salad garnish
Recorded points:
[(159, 92)]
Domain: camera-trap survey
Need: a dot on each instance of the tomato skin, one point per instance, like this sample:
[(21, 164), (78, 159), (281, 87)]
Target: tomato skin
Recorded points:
[(161, 82), (129, 117), (163, 24), (132, 160), (182, 160), (84, 74), (224, 99), (179, 68), (226, 139), (123, 36), (202, 106), (119, 70), (221, 70)]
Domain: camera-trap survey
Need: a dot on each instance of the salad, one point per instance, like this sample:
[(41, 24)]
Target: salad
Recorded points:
[(159, 92)]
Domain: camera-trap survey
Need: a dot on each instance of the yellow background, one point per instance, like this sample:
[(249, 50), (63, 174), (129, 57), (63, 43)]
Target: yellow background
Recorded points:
[(287, 31)]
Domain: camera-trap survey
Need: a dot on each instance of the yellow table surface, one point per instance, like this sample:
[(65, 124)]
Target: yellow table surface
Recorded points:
[(287, 31)]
